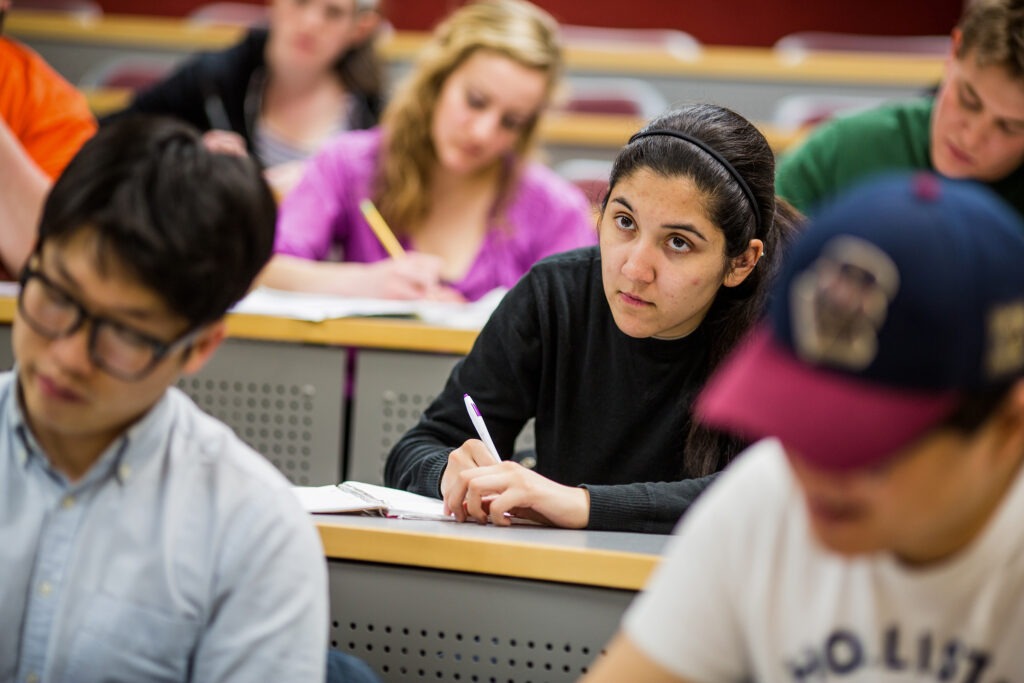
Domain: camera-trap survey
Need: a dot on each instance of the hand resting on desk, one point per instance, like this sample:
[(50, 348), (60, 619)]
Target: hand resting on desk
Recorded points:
[(414, 276), (475, 488)]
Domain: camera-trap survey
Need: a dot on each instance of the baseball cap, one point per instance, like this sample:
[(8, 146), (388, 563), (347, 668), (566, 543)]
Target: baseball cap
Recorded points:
[(899, 297)]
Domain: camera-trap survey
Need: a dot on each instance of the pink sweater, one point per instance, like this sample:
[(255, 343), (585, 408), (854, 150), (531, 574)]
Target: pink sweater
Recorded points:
[(545, 215)]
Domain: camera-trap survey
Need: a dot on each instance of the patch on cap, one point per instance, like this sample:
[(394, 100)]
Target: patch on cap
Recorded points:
[(927, 187), (839, 304), (1005, 353)]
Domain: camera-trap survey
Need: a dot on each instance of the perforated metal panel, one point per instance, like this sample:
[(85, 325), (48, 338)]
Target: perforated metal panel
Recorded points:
[(392, 391), (285, 400), (6, 352), (428, 625)]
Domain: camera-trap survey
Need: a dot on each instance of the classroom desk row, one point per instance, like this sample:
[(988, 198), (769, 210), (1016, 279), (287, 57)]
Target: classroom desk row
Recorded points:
[(749, 80), (443, 601), (563, 135), (416, 600)]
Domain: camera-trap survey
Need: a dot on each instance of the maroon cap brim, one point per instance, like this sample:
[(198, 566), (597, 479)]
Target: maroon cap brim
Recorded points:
[(826, 418)]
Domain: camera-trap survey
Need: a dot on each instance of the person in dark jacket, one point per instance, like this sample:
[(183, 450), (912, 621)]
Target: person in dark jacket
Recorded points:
[(607, 347), (282, 91)]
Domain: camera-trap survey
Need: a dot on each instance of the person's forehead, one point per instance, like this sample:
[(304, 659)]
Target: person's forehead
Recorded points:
[(101, 277), (515, 86), (347, 5), (678, 189), (487, 63), (973, 67)]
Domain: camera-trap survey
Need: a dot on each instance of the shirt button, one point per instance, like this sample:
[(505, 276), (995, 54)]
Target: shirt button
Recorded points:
[(68, 502), (45, 588), (32, 678), (124, 471)]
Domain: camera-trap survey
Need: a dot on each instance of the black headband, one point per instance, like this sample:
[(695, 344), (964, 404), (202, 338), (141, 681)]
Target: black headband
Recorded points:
[(714, 155)]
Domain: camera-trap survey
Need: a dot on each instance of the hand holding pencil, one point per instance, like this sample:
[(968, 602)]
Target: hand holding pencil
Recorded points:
[(407, 274)]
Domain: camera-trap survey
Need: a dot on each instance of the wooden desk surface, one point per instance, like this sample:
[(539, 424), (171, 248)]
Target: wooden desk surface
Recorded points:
[(713, 62), (604, 559), (375, 333)]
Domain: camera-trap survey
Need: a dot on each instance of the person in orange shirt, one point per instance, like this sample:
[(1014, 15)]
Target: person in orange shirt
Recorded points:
[(43, 122)]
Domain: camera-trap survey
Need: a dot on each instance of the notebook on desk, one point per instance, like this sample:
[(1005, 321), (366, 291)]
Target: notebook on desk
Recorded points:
[(359, 497), (370, 499), (320, 307)]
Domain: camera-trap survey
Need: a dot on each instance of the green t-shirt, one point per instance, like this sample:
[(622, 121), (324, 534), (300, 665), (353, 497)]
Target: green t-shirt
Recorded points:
[(848, 149)]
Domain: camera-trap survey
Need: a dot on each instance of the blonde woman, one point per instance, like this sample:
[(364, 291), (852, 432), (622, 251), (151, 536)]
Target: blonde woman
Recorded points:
[(449, 170)]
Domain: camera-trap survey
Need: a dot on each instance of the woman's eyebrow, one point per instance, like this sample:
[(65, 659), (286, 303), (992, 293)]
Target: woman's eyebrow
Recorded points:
[(684, 227)]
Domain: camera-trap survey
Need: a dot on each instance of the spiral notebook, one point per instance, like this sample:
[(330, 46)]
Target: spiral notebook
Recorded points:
[(360, 497)]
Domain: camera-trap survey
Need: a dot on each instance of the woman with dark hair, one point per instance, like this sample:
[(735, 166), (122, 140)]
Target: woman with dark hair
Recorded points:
[(608, 346), (283, 91)]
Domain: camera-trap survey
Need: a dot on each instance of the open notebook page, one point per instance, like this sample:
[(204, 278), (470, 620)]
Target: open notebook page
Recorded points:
[(355, 496)]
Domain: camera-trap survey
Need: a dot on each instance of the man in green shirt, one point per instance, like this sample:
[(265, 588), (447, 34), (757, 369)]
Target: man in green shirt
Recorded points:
[(973, 128)]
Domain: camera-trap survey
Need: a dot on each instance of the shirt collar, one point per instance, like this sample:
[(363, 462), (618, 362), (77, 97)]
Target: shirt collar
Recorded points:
[(122, 459), (26, 447)]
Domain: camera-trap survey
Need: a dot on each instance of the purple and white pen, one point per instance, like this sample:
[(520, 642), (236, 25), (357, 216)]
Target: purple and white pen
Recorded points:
[(481, 428)]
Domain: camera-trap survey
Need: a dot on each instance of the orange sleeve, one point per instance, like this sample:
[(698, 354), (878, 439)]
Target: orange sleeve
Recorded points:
[(47, 114)]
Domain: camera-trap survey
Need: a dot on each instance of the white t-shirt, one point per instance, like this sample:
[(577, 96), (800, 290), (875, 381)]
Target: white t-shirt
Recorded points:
[(746, 593)]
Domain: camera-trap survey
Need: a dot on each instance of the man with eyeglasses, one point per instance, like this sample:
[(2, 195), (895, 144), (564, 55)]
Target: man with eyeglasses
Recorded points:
[(140, 539)]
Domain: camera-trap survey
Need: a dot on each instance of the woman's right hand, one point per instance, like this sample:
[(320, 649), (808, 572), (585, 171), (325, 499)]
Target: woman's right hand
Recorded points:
[(413, 276), (475, 488), (471, 455)]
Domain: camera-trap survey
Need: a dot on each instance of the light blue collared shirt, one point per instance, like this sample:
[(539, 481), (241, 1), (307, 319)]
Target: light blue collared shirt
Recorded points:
[(181, 555)]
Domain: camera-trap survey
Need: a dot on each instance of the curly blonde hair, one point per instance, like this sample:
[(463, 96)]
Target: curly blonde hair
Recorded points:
[(512, 28)]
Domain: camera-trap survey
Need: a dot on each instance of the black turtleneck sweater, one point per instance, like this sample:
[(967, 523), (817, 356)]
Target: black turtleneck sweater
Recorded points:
[(612, 412)]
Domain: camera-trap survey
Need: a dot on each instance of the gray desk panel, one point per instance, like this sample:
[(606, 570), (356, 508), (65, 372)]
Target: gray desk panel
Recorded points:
[(6, 353), (757, 100), (285, 400), (416, 624), (392, 391)]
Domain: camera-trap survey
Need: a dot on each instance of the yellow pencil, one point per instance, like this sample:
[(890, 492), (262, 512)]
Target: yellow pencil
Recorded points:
[(381, 229)]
